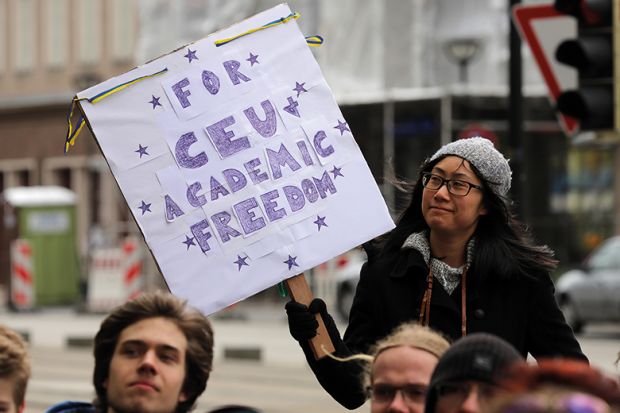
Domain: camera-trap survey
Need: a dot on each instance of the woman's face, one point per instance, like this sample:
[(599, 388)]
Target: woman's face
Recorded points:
[(449, 214)]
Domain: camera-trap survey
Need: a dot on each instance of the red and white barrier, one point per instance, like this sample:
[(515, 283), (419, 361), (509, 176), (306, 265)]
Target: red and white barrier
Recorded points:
[(22, 277), (115, 276), (132, 271)]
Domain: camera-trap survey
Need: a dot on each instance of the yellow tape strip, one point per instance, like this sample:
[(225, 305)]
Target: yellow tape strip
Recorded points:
[(281, 20), (72, 132)]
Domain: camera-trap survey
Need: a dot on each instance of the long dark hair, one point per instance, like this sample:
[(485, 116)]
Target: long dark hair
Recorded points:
[(504, 246)]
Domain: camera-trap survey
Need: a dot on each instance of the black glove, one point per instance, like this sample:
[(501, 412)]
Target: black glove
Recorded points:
[(301, 322)]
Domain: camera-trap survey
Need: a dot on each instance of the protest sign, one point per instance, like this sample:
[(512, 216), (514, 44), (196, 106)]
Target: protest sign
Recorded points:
[(236, 161)]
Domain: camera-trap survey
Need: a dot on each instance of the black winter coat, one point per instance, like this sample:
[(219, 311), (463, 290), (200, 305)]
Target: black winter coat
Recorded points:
[(523, 311)]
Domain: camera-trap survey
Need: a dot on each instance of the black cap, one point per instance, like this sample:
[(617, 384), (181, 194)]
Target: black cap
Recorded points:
[(478, 357)]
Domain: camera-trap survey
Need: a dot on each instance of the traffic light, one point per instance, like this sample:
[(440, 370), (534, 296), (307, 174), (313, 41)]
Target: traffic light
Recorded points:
[(592, 54)]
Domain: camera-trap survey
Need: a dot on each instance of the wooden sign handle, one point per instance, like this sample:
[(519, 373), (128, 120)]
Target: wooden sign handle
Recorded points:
[(299, 291)]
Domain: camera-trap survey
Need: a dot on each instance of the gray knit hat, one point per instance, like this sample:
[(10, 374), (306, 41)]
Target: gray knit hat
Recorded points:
[(478, 356), (481, 153)]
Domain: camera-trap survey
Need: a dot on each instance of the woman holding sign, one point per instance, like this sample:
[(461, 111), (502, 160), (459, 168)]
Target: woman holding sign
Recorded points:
[(458, 262)]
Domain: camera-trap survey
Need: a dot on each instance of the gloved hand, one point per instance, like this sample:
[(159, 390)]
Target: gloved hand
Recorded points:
[(302, 321)]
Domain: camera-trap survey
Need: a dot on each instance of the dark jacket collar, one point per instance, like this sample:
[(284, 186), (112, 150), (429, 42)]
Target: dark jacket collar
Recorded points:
[(406, 259)]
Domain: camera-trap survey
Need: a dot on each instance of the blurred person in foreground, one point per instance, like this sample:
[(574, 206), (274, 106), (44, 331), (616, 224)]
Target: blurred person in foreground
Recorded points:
[(400, 367), (557, 386), (467, 376), (14, 371), (458, 261), (153, 354)]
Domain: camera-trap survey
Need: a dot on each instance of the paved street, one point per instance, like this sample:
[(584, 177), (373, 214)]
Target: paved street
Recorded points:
[(256, 361)]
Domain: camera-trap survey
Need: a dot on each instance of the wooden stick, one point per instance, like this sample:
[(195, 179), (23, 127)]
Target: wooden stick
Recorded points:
[(300, 292)]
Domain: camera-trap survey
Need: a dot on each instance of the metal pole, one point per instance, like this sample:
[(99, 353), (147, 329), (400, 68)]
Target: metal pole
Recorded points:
[(515, 116), (446, 119), (388, 151)]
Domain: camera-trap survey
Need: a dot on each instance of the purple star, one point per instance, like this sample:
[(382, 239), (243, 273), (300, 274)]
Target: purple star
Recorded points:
[(241, 262), (299, 88), (291, 262), (155, 101), (141, 150), (253, 59), (336, 172), (292, 107), (189, 241), (145, 207), (320, 222), (191, 55), (342, 126)]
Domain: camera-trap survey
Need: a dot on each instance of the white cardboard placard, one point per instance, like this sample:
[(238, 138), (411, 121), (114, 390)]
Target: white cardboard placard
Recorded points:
[(237, 163)]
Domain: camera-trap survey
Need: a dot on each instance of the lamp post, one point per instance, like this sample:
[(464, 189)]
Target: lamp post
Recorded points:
[(461, 51)]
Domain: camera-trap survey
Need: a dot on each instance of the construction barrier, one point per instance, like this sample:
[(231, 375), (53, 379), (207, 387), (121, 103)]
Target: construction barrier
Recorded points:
[(115, 276), (22, 284)]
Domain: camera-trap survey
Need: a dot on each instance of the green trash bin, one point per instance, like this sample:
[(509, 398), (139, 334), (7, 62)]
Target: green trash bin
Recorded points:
[(44, 217)]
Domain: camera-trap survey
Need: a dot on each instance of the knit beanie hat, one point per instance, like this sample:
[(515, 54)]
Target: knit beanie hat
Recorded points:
[(478, 357), (481, 153)]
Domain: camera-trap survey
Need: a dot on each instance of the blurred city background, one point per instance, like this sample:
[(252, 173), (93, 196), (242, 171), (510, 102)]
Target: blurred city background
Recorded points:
[(393, 67), (409, 76)]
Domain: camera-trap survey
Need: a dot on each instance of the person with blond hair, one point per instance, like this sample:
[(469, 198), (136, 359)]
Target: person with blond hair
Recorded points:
[(14, 371), (400, 368)]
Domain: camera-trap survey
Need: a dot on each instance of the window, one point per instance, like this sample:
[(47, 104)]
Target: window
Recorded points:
[(94, 202), (122, 32), (56, 33), (25, 47), (607, 256), (63, 177), (23, 177), (89, 17), (3, 36)]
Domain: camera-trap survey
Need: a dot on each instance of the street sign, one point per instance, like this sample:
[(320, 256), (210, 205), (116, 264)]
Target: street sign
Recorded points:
[(542, 27)]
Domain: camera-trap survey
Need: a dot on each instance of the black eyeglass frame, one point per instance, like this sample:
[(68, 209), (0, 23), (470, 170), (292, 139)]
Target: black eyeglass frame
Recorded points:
[(419, 398), (426, 178)]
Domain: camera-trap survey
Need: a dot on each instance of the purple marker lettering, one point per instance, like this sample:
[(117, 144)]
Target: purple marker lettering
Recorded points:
[(202, 236), (172, 209), (181, 151), (195, 200), (281, 158), (222, 139), (220, 221), (181, 94), (249, 222), (266, 128), (232, 67), (305, 153), (217, 189), (211, 82), (325, 184), (295, 197), (318, 138), (235, 179), (271, 205), (255, 174), (310, 191)]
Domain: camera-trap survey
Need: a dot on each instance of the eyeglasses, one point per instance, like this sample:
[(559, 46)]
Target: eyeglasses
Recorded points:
[(385, 393), (454, 394), (455, 186)]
